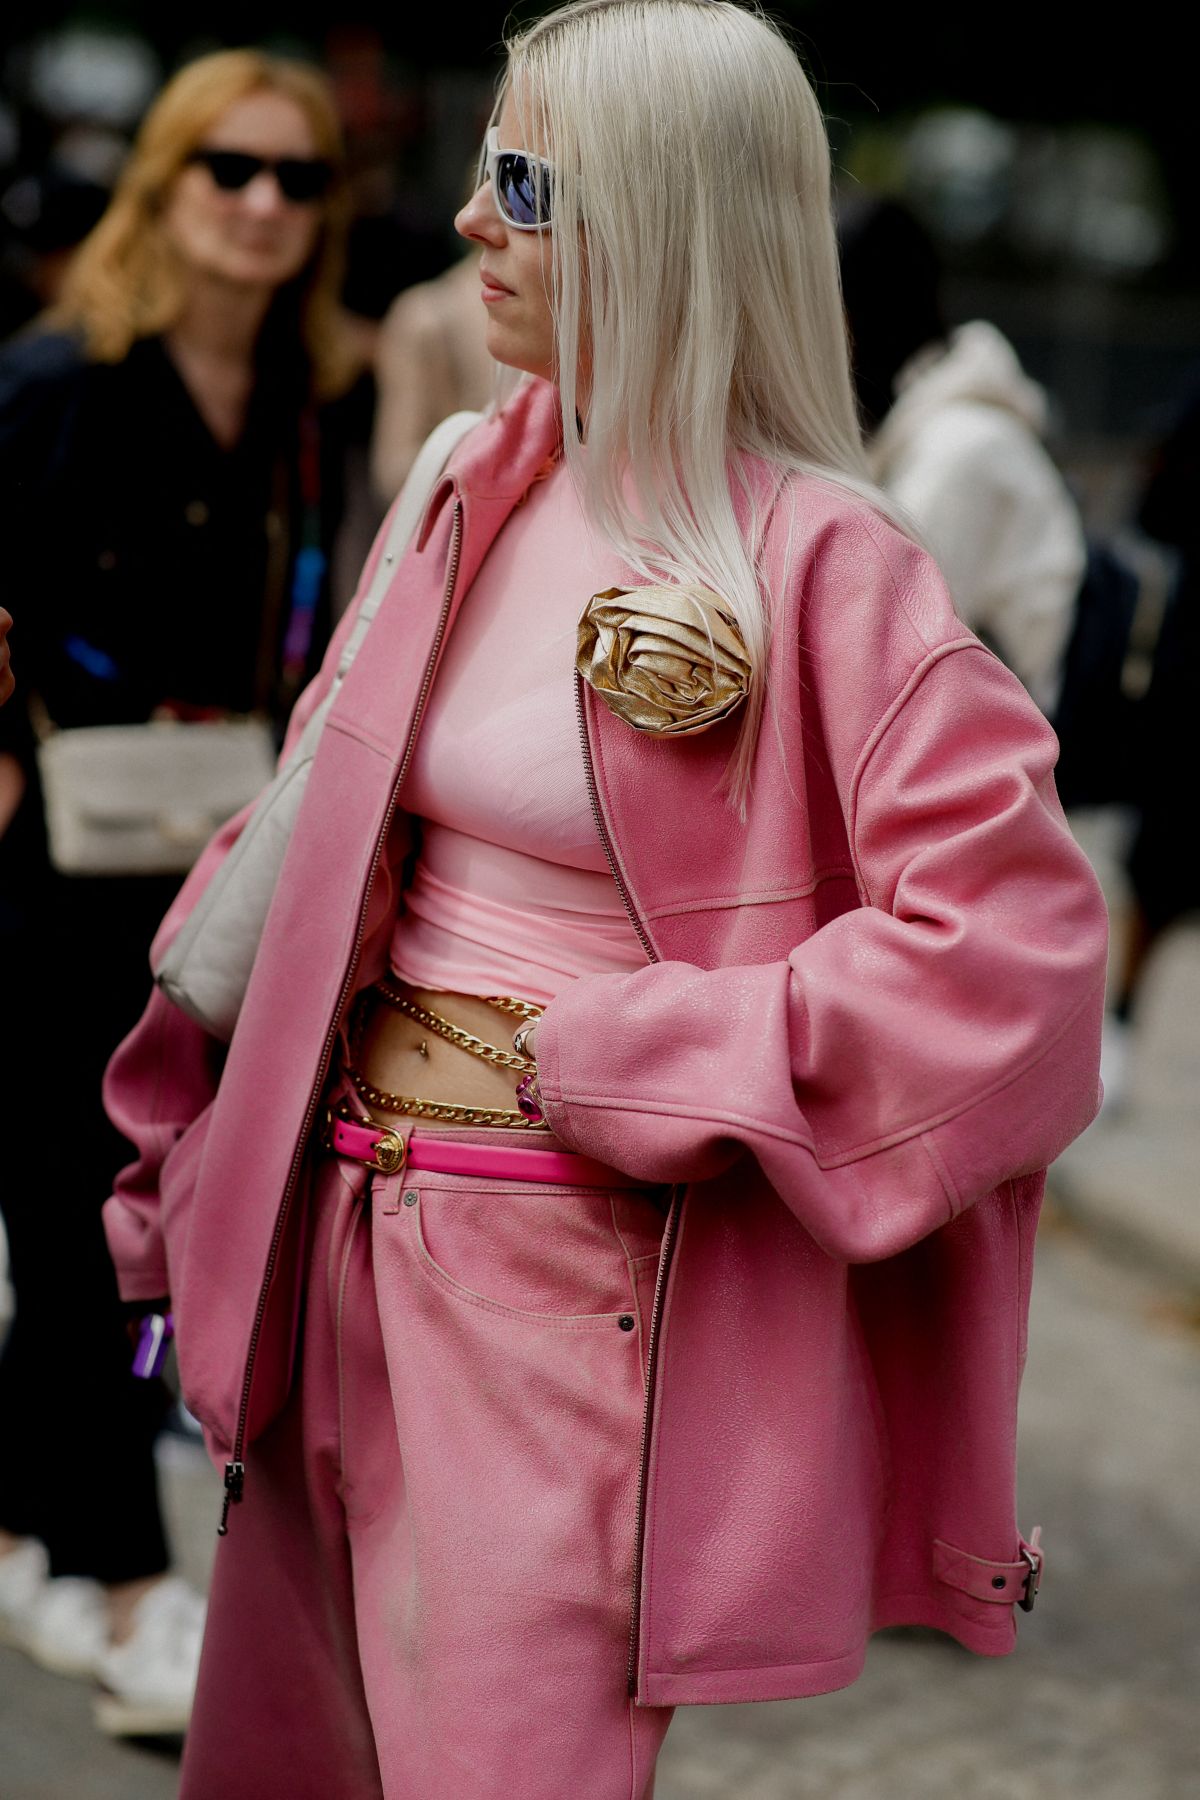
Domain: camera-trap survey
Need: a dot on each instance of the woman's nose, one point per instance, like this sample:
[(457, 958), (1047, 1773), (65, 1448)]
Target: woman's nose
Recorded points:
[(479, 219), (262, 194)]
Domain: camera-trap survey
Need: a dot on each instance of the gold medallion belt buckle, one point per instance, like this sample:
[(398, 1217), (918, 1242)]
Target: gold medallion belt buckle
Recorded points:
[(388, 1152), (391, 1152)]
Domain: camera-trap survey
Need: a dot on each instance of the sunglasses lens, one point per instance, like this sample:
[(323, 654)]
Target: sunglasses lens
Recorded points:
[(231, 169), (302, 178), (524, 188)]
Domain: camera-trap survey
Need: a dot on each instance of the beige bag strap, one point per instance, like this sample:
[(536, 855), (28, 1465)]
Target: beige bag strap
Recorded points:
[(432, 458), (206, 966)]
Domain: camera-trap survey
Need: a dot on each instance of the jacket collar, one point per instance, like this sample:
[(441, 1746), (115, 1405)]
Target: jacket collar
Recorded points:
[(495, 467)]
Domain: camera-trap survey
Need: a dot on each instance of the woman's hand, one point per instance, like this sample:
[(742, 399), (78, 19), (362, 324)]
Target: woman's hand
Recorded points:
[(6, 675)]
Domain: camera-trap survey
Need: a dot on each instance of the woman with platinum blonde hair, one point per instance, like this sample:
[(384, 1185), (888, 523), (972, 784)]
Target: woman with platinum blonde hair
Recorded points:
[(601, 1258)]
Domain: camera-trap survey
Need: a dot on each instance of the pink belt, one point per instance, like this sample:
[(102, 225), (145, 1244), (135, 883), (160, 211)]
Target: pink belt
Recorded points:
[(379, 1147)]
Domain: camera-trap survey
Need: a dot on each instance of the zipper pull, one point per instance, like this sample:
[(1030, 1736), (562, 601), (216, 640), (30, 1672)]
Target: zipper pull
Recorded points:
[(235, 1483)]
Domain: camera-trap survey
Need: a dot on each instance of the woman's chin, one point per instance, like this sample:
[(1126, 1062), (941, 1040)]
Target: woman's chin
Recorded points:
[(246, 269), (504, 347)]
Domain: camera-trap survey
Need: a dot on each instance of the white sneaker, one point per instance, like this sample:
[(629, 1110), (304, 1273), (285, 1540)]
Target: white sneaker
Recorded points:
[(149, 1680), (23, 1574), (67, 1627)]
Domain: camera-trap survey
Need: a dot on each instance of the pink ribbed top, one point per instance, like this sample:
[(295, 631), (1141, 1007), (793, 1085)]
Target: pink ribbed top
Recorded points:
[(512, 893)]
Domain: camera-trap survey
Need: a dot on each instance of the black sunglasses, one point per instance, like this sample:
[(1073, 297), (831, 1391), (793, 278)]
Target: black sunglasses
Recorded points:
[(300, 178)]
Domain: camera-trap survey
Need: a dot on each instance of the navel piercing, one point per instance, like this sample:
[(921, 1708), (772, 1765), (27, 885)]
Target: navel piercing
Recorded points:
[(423, 1049)]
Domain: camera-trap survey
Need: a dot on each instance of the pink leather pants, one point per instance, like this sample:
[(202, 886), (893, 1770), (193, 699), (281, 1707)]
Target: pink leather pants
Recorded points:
[(426, 1591)]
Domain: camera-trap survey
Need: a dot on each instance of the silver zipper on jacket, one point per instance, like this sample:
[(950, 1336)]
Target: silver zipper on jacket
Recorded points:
[(594, 797), (235, 1468), (669, 1229)]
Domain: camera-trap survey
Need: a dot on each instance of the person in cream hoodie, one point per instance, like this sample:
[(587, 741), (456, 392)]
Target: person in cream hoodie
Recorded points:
[(960, 448)]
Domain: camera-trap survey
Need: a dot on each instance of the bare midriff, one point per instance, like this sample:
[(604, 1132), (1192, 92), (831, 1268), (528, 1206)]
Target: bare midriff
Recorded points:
[(399, 1056)]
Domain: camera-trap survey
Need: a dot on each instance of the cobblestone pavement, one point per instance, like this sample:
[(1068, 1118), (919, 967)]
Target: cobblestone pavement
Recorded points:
[(1097, 1704)]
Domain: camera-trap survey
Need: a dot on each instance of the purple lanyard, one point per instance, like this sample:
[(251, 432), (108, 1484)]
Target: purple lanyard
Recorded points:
[(308, 571)]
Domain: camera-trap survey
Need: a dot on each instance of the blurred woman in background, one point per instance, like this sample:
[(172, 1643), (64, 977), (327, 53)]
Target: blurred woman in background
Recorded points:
[(170, 486)]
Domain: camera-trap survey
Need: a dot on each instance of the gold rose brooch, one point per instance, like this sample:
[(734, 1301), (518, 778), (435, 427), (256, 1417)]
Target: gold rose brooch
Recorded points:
[(670, 661)]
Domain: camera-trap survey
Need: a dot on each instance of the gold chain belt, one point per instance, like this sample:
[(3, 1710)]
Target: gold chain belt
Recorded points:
[(454, 1034), (446, 1111)]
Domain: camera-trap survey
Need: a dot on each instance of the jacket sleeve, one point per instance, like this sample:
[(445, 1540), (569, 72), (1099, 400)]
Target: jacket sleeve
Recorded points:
[(912, 1054), (165, 1073)]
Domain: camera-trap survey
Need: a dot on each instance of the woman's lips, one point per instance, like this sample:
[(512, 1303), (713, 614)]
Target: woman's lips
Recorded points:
[(493, 290)]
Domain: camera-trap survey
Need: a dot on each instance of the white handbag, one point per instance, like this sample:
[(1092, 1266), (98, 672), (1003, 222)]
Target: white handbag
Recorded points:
[(206, 967), (145, 799)]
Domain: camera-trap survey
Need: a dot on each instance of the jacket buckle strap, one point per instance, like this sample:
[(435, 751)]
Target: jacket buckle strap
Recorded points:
[(1002, 1583), (1031, 1554)]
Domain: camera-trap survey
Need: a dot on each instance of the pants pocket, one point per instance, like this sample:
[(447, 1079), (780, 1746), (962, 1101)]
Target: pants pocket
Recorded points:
[(556, 1254)]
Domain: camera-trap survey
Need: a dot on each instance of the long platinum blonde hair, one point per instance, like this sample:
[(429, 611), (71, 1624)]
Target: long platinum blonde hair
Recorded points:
[(687, 141)]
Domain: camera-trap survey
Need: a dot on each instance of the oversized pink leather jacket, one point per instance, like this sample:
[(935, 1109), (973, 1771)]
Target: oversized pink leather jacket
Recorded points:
[(869, 1019)]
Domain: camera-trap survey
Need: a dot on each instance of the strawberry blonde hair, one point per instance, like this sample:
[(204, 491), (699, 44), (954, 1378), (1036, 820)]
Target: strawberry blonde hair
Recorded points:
[(126, 280)]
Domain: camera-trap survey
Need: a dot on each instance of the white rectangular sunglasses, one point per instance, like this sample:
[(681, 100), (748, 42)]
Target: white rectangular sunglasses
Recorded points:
[(521, 184)]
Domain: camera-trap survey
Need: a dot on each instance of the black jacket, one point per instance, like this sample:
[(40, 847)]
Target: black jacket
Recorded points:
[(141, 561)]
